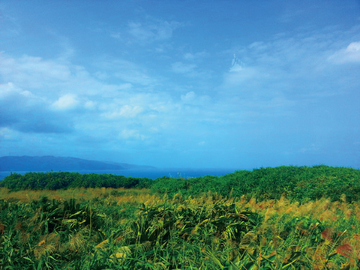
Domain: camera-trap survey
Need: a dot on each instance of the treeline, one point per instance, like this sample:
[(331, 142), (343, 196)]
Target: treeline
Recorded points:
[(65, 180), (300, 184)]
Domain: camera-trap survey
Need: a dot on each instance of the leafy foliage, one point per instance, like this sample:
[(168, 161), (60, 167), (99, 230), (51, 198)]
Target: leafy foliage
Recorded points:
[(300, 184), (131, 229), (269, 218), (63, 180), (296, 183)]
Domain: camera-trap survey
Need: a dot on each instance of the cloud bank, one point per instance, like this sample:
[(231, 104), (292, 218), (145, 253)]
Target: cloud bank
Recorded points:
[(168, 91)]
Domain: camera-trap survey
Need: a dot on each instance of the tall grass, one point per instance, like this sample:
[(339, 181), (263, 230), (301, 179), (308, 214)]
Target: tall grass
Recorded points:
[(133, 229)]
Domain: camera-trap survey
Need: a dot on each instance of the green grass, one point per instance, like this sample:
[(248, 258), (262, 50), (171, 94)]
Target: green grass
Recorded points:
[(269, 218), (134, 229)]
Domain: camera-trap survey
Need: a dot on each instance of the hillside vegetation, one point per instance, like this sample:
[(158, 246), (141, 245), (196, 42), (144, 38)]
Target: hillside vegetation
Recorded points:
[(300, 184), (295, 183), (132, 229), (268, 218), (66, 180)]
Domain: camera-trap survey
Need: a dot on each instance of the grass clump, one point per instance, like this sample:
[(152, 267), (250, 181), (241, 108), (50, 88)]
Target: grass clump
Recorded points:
[(133, 229), (273, 218)]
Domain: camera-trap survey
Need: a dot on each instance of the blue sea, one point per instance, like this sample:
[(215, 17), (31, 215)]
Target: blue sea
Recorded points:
[(152, 174)]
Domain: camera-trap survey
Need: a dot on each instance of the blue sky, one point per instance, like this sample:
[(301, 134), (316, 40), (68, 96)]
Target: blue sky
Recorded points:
[(192, 83)]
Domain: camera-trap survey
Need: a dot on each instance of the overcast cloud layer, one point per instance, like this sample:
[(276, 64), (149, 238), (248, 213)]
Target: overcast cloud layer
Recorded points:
[(200, 84)]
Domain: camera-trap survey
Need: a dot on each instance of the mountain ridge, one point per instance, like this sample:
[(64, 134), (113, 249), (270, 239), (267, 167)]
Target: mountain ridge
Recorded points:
[(53, 163)]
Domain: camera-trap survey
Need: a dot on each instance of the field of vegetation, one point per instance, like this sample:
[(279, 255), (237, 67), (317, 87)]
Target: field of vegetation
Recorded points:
[(269, 218)]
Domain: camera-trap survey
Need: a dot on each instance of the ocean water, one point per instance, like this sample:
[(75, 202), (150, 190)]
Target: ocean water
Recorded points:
[(152, 174)]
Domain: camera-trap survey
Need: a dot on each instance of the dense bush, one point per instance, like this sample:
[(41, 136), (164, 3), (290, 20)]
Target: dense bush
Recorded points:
[(63, 180), (131, 229), (296, 183)]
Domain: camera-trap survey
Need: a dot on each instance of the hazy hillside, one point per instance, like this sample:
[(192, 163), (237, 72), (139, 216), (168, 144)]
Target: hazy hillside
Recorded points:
[(48, 163)]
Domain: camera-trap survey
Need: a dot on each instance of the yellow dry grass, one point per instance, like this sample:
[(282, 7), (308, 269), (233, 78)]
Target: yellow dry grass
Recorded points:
[(79, 193)]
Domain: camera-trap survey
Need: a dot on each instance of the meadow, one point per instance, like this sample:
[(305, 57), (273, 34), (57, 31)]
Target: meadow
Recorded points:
[(269, 218)]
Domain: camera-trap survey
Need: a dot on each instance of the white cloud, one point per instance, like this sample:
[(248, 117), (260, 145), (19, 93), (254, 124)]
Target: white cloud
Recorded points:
[(10, 26), (116, 35), (239, 75), (140, 32), (49, 79), (194, 56), (189, 56), (10, 89), (126, 111), (102, 75), (180, 67), (132, 134), (29, 113), (311, 148), (66, 102), (129, 72), (8, 134), (286, 63), (189, 70), (258, 45), (349, 55), (152, 30), (109, 90), (90, 105), (199, 102), (236, 68), (188, 97), (32, 72), (7, 89), (354, 47), (135, 77)]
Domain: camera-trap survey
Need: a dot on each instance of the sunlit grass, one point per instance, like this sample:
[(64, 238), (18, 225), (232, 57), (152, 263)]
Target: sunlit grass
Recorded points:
[(78, 193), (318, 234)]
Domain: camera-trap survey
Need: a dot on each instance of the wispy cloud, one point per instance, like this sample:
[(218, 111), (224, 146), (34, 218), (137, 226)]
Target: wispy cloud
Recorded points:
[(132, 134), (53, 96), (287, 63), (9, 24), (195, 56), (351, 54), (66, 102), (127, 111), (183, 68), (28, 113), (147, 30), (33, 72), (191, 70), (124, 81), (129, 72), (152, 30)]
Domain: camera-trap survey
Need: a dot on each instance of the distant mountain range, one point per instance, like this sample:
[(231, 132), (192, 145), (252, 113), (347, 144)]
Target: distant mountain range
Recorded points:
[(51, 163)]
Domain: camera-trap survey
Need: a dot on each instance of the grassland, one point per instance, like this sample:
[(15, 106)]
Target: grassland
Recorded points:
[(107, 228)]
